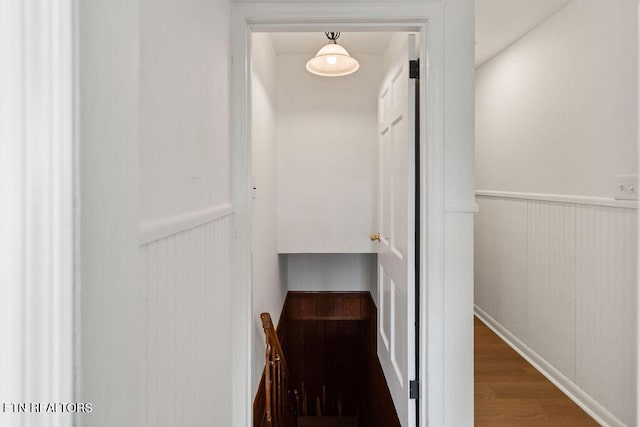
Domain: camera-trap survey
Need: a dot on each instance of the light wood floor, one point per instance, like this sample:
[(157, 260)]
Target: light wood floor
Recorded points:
[(510, 392)]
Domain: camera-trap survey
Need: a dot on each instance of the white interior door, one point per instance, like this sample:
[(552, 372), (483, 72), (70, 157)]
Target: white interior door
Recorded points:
[(396, 263)]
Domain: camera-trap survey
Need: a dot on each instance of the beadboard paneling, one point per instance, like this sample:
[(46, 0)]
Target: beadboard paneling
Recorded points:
[(560, 278), (606, 306), (187, 373), (501, 230), (551, 281)]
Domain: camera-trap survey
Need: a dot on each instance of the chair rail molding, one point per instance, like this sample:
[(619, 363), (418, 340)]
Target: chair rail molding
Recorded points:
[(561, 198), (158, 229)]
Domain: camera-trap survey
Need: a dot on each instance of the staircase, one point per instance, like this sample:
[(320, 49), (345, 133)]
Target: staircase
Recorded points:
[(331, 376)]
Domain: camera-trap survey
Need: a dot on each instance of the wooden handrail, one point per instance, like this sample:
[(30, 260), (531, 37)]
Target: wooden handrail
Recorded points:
[(281, 403)]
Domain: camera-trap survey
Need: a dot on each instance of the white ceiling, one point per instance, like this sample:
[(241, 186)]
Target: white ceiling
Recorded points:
[(310, 43), (499, 23)]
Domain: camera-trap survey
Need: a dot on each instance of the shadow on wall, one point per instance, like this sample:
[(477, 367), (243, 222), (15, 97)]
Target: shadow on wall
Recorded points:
[(329, 272)]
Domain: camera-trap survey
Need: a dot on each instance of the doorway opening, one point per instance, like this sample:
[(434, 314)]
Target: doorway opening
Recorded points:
[(334, 188), (428, 21)]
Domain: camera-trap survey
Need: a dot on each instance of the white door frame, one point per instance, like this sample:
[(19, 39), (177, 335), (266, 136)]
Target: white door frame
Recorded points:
[(37, 173), (426, 18)]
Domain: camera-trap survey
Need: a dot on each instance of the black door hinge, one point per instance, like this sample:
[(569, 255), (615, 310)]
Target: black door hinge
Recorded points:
[(414, 69), (414, 389)]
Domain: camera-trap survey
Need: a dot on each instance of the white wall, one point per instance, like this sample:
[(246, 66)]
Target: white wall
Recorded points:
[(331, 272), (556, 112), (184, 118), (268, 289), (154, 156), (185, 210), (327, 157), (556, 115), (110, 338)]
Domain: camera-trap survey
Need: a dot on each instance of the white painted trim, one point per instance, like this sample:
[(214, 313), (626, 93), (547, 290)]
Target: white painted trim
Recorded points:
[(11, 199), (37, 195), (161, 228), (65, 206), (637, 390), (433, 328), (561, 198), (568, 387), (241, 250), (77, 224), (426, 17)]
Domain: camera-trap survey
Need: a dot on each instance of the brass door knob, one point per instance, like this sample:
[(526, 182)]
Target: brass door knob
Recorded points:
[(374, 237)]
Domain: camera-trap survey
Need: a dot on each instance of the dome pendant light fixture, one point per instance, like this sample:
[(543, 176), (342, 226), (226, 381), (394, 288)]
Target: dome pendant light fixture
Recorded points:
[(332, 60)]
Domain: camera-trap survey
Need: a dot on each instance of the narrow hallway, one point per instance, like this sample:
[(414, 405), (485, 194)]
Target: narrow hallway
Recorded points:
[(511, 392)]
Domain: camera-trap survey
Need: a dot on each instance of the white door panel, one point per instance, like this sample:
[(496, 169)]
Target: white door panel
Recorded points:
[(396, 133)]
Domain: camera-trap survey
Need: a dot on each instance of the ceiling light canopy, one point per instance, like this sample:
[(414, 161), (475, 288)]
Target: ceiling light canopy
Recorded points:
[(332, 60)]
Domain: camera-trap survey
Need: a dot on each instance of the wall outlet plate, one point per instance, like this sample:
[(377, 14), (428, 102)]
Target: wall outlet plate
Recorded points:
[(626, 187)]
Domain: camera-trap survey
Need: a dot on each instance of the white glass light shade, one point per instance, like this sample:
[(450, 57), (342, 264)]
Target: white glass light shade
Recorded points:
[(332, 61)]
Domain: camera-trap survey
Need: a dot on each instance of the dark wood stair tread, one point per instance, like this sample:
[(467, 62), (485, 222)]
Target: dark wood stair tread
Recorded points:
[(327, 422)]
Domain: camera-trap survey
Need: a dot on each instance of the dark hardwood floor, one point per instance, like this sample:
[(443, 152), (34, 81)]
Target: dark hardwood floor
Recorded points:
[(511, 392)]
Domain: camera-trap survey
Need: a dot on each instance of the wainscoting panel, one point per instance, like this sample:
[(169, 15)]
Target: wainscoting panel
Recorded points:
[(559, 277), (501, 230), (551, 283), (186, 277), (606, 306)]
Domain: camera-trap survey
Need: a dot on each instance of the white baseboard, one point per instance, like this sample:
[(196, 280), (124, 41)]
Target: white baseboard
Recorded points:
[(568, 387)]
